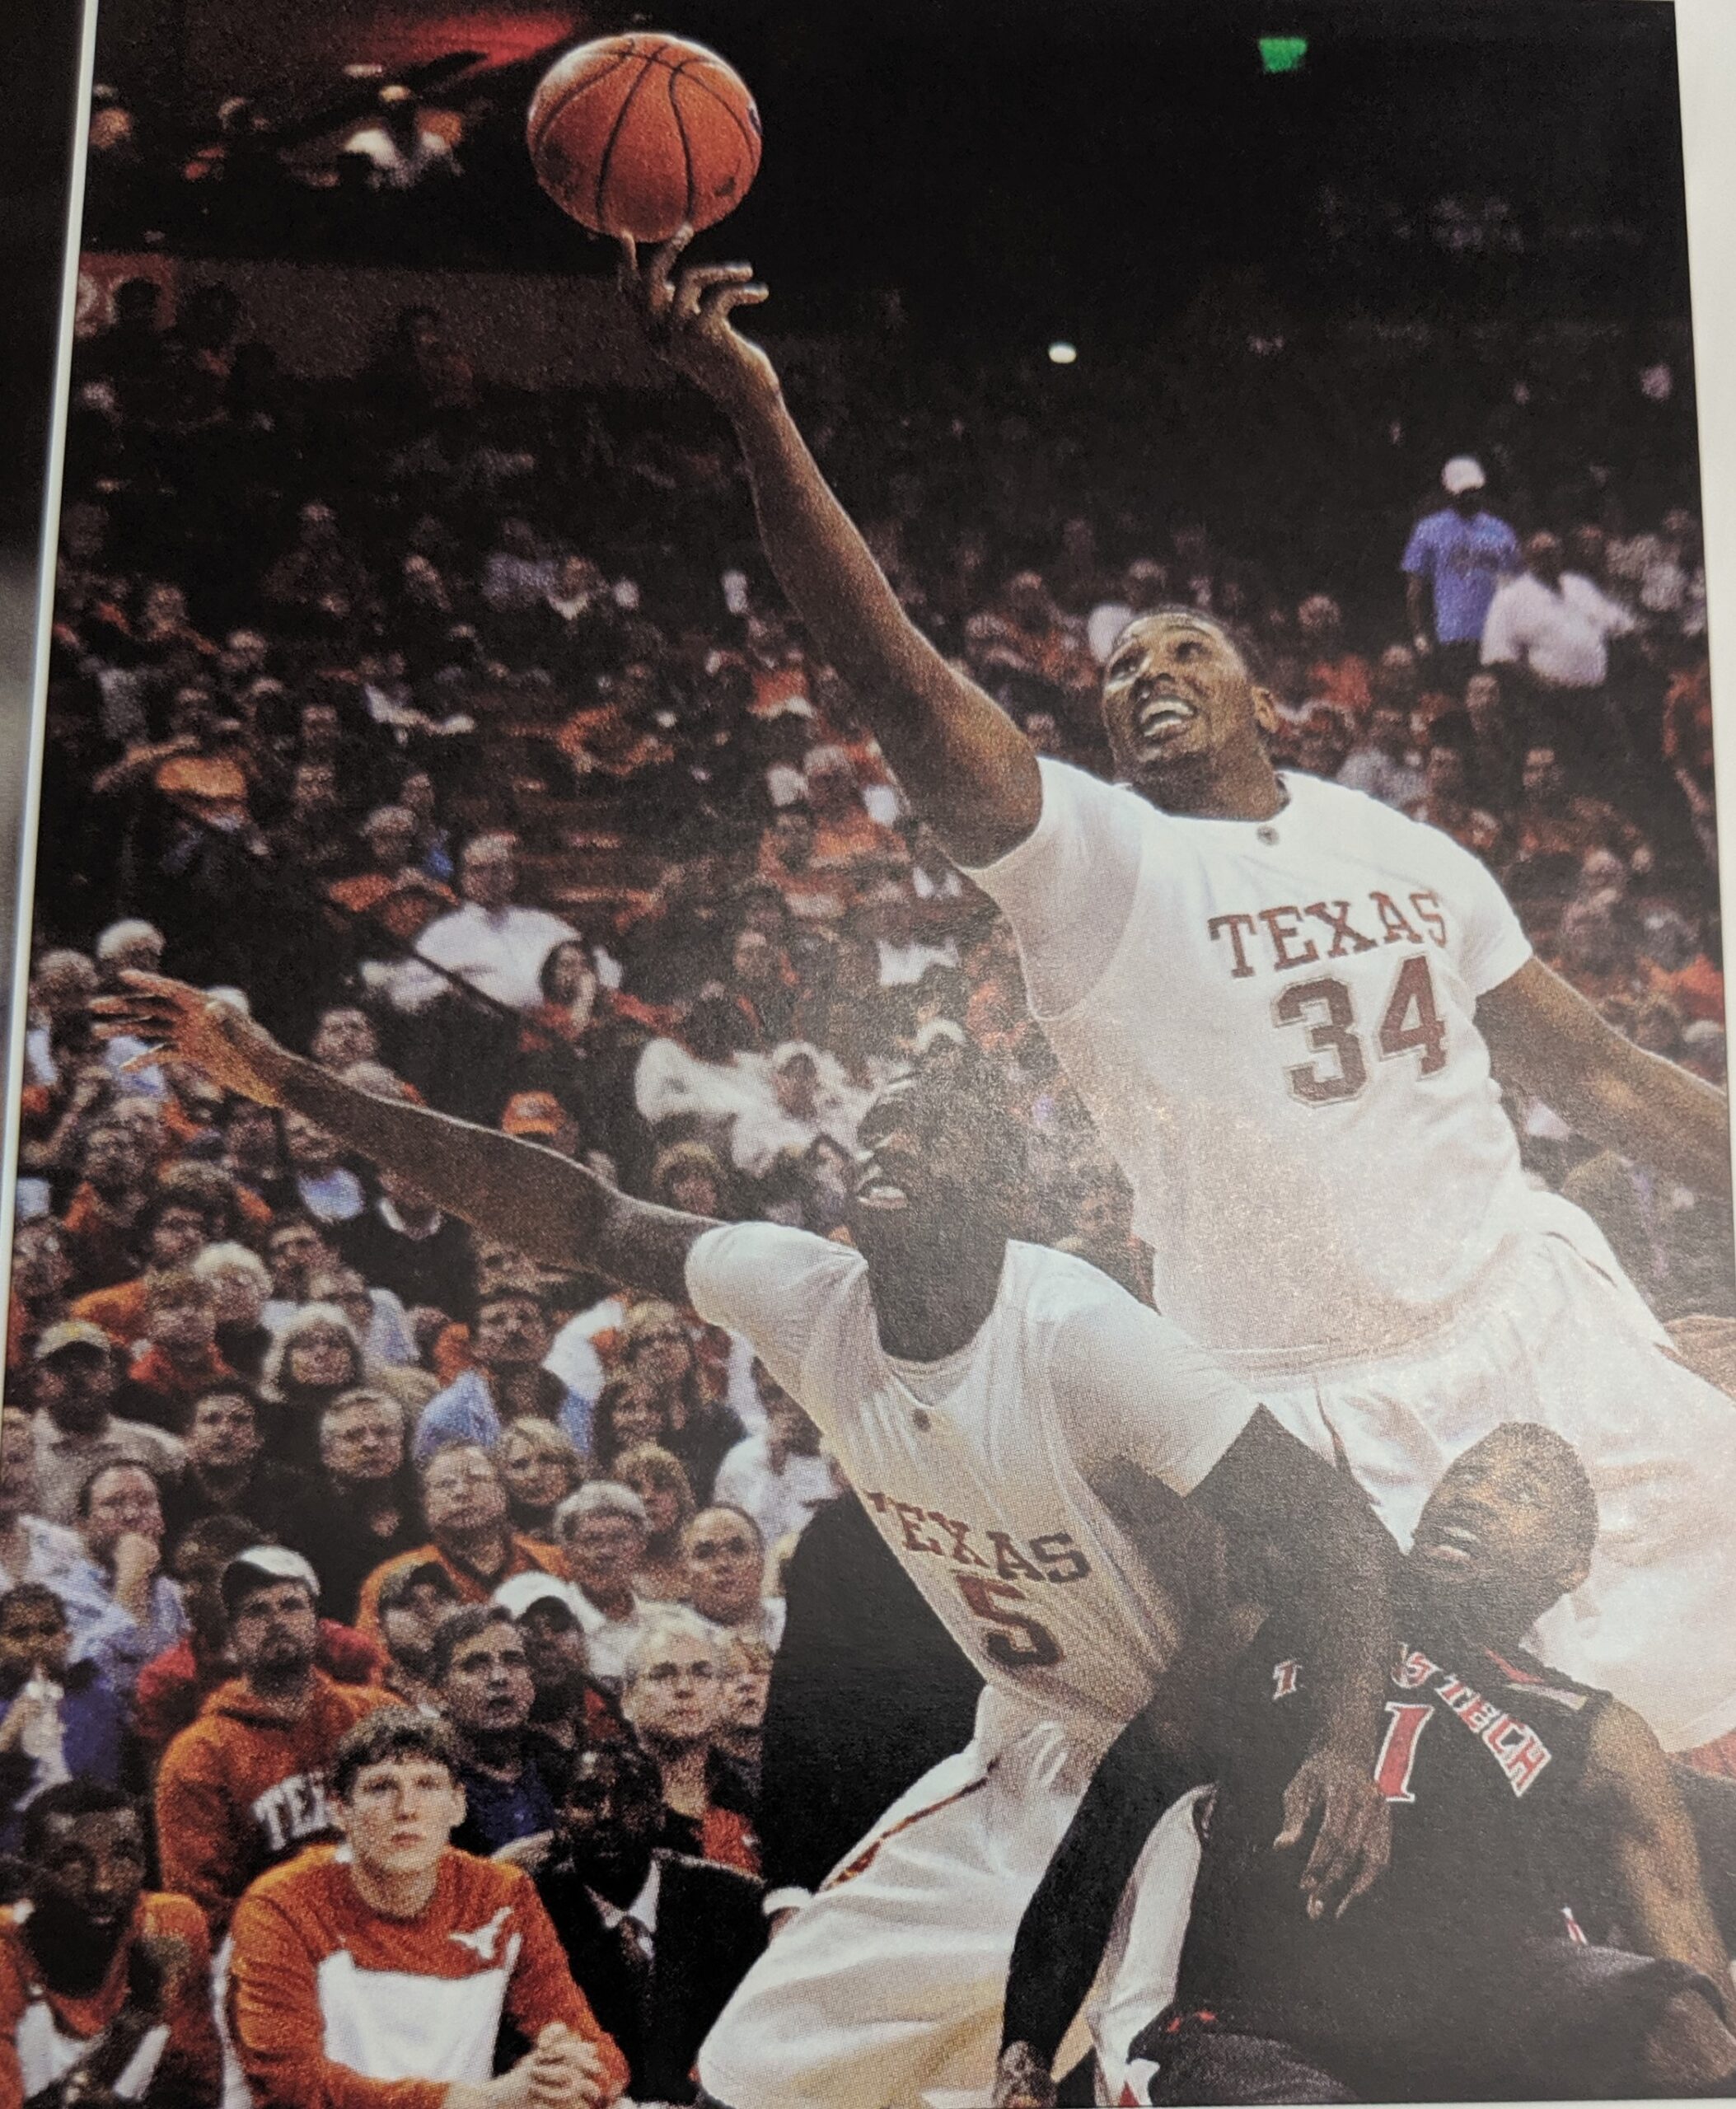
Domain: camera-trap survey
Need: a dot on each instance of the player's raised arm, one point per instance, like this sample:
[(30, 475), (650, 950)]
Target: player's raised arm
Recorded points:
[(1545, 1035), (964, 764), (543, 1205)]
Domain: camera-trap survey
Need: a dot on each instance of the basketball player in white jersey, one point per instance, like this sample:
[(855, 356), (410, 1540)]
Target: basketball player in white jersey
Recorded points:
[(1286, 1007), (1078, 1491)]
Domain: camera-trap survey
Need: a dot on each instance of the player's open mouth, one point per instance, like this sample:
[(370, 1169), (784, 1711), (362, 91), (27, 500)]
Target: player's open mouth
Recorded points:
[(876, 1192), (1454, 1544), (1163, 714)]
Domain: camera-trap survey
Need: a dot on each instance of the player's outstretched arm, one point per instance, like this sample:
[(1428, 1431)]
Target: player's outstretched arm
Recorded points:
[(964, 764), (543, 1205), (1544, 1035)]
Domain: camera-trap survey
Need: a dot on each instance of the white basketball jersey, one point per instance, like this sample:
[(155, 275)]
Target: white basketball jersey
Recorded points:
[(1280, 1052), (972, 1468)]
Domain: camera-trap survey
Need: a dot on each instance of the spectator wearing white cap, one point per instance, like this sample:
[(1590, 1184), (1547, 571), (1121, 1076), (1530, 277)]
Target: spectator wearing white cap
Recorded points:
[(602, 1529), (245, 1786), (76, 1377), (1453, 564), (570, 1706)]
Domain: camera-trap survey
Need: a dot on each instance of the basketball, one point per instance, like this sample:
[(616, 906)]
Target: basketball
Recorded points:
[(643, 134)]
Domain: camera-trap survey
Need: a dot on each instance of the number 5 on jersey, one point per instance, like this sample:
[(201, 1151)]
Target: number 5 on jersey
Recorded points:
[(1014, 1639), (1410, 1024)]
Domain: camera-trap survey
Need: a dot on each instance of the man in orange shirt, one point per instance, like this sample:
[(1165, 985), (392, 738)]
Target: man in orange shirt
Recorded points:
[(245, 1786), (463, 1504), (395, 895), (378, 1976), (104, 1987)]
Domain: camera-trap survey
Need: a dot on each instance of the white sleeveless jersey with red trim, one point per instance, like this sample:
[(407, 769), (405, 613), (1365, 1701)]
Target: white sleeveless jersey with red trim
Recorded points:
[(974, 1469), (1279, 1049)]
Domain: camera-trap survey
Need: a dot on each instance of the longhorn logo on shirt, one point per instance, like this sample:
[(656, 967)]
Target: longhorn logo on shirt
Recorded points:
[(485, 1939)]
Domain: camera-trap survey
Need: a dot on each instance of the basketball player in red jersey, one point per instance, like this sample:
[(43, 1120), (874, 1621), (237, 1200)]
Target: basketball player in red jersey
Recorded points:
[(1286, 1007)]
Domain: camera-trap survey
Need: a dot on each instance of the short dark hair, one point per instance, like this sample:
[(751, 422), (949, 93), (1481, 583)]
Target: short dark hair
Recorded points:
[(391, 1732), (458, 1626), (1247, 647), (220, 1537), (72, 1798), (398, 1587), (30, 1592)]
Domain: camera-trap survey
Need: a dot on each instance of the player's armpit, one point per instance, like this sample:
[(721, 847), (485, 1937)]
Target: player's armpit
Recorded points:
[(1545, 1037), (1628, 1783)]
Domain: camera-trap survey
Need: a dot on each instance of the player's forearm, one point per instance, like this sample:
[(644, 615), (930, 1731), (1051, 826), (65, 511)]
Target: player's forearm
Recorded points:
[(959, 756), (1417, 606), (1543, 1035), (1660, 1115), (1302, 1535), (544, 1206)]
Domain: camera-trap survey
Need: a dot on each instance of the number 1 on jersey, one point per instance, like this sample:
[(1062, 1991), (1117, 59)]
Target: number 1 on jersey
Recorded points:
[(1411, 1023)]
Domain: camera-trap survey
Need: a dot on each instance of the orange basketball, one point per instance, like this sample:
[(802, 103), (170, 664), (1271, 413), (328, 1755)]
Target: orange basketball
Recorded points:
[(642, 134)]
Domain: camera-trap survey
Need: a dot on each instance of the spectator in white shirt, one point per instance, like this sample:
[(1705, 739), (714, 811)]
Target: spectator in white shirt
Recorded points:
[(496, 946), (1381, 764), (1554, 626), (401, 151), (118, 1515), (778, 1477)]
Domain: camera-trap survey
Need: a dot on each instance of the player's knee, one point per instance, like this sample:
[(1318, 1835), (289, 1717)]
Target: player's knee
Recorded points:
[(1689, 2051)]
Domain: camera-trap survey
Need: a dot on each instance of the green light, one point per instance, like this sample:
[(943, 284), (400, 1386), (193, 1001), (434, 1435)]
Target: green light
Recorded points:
[(1282, 55)]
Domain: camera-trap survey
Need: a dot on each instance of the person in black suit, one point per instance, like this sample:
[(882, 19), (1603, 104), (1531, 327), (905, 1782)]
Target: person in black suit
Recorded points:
[(657, 1942)]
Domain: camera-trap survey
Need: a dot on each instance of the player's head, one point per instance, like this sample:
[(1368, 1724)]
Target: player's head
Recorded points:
[(1184, 694), (1509, 1529), (395, 1791), (939, 1160)]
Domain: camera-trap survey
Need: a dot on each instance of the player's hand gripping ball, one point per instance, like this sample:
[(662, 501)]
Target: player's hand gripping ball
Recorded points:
[(642, 134)]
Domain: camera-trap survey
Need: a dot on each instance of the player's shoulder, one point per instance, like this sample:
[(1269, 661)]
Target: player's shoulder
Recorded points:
[(1046, 1283), (1356, 823), (1521, 1674), (1062, 1300), (773, 1253)]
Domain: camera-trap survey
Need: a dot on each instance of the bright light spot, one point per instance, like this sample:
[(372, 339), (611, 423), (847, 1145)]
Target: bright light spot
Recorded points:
[(1062, 354), (1282, 55)]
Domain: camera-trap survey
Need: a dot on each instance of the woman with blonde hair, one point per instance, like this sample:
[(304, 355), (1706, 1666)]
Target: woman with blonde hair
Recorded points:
[(539, 1466), (316, 1356), (658, 1358), (659, 1480)]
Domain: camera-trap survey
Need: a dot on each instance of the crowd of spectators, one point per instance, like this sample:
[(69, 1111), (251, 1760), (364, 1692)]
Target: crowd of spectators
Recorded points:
[(462, 735)]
